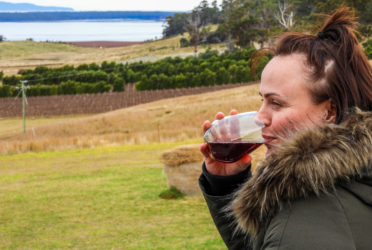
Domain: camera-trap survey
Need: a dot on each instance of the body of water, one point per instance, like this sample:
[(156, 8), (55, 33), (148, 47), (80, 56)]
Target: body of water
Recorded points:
[(117, 30)]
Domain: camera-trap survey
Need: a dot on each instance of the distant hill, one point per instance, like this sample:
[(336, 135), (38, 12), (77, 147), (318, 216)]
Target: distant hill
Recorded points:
[(12, 7), (82, 15)]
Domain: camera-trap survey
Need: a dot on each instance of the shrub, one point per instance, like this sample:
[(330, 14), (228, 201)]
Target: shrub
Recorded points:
[(184, 42), (171, 193), (48, 90), (208, 53), (82, 67), (41, 70), (233, 71), (164, 82), (108, 67), (119, 84), (208, 77), (101, 87), (11, 80), (129, 76), (93, 66), (1, 75), (243, 74), (84, 88), (33, 90), (91, 76), (222, 76), (368, 48), (67, 88), (33, 78), (6, 91), (180, 81), (42, 90)]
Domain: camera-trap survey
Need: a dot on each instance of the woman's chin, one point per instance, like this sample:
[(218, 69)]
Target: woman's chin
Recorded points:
[(270, 148)]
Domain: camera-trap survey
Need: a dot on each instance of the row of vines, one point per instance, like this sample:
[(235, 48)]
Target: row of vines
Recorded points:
[(209, 68)]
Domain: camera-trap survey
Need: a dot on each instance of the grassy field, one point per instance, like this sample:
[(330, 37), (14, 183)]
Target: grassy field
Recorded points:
[(102, 198), (103, 192), (28, 54), (168, 120)]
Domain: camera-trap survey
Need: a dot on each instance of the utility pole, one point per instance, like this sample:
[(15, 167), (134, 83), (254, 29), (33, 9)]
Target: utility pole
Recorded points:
[(24, 102)]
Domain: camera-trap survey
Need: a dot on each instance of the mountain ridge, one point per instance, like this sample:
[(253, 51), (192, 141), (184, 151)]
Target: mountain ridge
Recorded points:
[(25, 7)]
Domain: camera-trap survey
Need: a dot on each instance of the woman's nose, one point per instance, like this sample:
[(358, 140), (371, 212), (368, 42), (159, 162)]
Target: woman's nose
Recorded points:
[(263, 116)]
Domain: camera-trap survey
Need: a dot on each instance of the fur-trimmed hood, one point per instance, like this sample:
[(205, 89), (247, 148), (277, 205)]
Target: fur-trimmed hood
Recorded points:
[(310, 163)]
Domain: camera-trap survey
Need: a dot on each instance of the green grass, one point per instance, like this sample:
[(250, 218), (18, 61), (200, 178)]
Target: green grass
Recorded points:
[(100, 198)]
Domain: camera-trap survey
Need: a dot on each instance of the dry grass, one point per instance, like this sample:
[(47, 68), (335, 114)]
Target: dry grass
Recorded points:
[(24, 55), (168, 120), (181, 155)]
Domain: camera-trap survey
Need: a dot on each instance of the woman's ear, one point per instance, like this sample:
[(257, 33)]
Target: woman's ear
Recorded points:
[(330, 112)]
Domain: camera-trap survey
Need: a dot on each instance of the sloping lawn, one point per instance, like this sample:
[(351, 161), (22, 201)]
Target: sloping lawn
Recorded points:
[(103, 198)]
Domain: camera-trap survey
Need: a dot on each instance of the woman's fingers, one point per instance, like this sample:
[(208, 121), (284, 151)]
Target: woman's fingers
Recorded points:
[(204, 149), (220, 115), (206, 125), (233, 112)]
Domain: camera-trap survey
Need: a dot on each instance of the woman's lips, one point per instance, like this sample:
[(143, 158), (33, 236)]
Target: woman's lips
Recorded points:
[(268, 139)]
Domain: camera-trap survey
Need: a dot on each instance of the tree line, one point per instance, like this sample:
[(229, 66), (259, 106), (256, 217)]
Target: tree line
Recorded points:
[(243, 22)]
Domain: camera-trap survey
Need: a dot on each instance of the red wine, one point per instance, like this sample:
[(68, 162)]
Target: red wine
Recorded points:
[(231, 151)]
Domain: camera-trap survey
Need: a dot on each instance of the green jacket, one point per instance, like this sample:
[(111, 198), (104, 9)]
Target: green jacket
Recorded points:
[(315, 192)]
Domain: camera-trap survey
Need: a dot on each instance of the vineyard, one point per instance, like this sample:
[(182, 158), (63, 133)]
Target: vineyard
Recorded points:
[(95, 103), (208, 69)]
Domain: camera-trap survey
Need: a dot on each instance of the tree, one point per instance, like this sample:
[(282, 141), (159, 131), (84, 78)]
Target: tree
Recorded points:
[(175, 25), (193, 27), (285, 15), (184, 42), (249, 21)]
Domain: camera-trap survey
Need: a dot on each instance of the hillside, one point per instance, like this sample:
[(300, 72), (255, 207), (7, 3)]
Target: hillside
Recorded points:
[(12, 7), (28, 54), (169, 120)]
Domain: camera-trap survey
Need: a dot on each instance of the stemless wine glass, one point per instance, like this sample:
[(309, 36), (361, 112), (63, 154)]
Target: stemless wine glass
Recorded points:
[(232, 137)]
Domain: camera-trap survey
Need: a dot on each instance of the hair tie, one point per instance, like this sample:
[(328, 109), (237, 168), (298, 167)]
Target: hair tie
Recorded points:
[(321, 35)]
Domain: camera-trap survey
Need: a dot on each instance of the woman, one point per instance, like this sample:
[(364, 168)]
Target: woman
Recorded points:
[(313, 190)]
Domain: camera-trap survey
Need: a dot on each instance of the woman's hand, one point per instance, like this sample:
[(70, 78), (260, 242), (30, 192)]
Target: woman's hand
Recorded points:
[(220, 168)]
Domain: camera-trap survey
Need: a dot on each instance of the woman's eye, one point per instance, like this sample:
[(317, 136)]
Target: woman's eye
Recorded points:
[(276, 103)]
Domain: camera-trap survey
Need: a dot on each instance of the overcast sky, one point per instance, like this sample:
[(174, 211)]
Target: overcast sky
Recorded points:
[(167, 5)]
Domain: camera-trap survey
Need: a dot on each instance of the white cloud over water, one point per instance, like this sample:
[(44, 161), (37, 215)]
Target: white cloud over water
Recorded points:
[(102, 5)]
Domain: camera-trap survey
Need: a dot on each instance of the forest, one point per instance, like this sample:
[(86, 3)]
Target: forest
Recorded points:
[(242, 22)]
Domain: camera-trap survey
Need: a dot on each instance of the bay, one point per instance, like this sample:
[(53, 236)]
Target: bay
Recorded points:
[(92, 30)]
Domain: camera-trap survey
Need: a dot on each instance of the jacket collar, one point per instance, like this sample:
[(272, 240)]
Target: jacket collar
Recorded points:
[(310, 163)]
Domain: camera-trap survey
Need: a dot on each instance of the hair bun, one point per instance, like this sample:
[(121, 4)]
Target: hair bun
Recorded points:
[(329, 34)]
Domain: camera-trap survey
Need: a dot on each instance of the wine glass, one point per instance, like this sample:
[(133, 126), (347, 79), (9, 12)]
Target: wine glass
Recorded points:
[(230, 138)]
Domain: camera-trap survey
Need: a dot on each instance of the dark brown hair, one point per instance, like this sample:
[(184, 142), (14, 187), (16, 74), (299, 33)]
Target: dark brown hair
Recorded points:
[(340, 70)]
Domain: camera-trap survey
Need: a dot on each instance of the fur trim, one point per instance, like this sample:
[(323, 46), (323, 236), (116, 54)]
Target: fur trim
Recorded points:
[(310, 163)]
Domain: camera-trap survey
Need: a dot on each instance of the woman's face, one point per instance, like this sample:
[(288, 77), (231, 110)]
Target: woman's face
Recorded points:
[(287, 106)]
